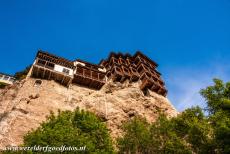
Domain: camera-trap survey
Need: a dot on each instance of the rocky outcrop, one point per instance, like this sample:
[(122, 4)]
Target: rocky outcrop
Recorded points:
[(25, 105)]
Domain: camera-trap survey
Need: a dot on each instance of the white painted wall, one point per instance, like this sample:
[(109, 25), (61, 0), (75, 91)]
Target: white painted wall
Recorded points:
[(77, 62), (59, 68), (83, 64), (102, 70), (7, 80)]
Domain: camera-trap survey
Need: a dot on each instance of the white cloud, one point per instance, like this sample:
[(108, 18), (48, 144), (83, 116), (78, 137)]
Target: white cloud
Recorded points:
[(184, 84)]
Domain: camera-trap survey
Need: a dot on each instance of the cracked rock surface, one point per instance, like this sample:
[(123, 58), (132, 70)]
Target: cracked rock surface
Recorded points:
[(24, 106)]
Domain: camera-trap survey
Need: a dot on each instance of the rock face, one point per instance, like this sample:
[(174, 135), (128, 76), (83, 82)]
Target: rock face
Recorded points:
[(24, 106)]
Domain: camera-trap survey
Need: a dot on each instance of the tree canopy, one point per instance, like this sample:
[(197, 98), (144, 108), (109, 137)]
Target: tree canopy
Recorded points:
[(190, 132), (195, 130), (76, 129), (22, 74)]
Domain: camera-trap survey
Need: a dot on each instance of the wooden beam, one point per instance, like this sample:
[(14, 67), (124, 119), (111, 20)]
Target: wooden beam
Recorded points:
[(49, 75), (63, 80), (43, 75), (37, 71)]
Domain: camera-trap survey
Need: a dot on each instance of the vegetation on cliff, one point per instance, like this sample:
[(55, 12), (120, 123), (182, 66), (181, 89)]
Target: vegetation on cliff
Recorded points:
[(189, 132), (22, 74), (2, 85), (76, 129), (195, 130)]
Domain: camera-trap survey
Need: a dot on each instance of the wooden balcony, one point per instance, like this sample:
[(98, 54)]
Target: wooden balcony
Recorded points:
[(117, 73), (162, 91), (113, 61), (129, 61), (40, 71), (137, 67), (122, 61), (142, 69), (89, 78), (134, 74), (147, 83), (125, 71)]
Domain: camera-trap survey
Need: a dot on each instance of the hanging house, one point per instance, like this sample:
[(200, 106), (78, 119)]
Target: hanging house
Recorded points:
[(51, 67), (117, 67), (6, 79), (121, 67), (90, 75)]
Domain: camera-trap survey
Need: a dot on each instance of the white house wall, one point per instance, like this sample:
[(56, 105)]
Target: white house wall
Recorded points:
[(9, 79), (59, 68), (102, 70), (77, 62), (6, 81), (83, 64)]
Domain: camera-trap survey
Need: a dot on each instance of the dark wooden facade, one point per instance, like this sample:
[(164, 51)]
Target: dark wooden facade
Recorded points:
[(44, 68), (118, 67), (137, 67), (89, 75)]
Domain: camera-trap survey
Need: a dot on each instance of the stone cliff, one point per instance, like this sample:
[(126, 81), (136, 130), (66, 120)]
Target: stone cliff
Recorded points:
[(23, 106)]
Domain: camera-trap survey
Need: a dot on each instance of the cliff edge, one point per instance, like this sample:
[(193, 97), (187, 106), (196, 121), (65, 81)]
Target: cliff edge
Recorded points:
[(23, 106)]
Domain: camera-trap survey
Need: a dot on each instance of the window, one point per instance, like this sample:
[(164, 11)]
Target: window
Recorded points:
[(80, 70), (11, 79), (6, 78), (66, 71), (38, 83), (50, 65), (41, 62)]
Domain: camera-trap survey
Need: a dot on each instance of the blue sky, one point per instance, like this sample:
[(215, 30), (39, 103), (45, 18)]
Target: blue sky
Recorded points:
[(190, 39)]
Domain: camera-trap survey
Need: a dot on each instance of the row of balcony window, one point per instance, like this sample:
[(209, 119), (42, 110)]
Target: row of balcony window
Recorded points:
[(90, 74), (120, 61), (50, 65), (56, 60), (6, 78)]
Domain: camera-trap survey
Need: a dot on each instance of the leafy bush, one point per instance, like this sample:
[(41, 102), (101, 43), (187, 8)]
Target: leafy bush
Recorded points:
[(2, 85), (156, 138), (218, 106), (76, 129), (189, 132), (22, 74), (136, 137)]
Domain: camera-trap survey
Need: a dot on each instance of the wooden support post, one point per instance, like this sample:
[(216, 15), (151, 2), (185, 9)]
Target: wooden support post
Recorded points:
[(49, 76), (69, 82), (91, 74), (45, 64), (37, 71), (63, 80), (43, 75)]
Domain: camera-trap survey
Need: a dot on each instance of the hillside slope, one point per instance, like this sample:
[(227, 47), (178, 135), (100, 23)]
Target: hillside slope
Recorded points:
[(24, 106)]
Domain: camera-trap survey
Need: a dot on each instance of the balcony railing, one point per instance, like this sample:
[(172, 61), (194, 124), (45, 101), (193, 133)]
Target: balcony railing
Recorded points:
[(45, 64), (90, 74), (49, 65)]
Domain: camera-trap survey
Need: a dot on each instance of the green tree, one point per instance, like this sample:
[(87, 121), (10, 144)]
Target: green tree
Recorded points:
[(165, 139), (142, 137), (193, 127), (78, 128), (22, 74), (189, 132), (136, 138), (2, 85), (218, 106)]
